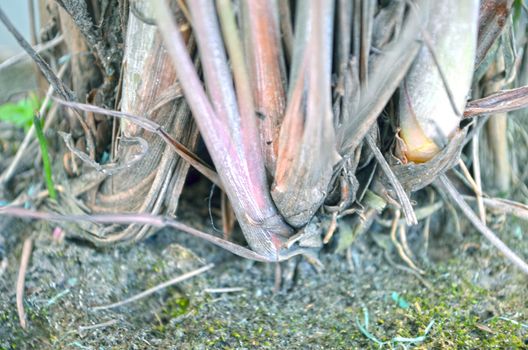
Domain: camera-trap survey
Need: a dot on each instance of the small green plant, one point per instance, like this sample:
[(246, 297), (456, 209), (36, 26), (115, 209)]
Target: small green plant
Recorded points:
[(20, 113), (24, 114)]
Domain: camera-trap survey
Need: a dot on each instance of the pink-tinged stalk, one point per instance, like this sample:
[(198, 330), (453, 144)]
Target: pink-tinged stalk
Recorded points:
[(263, 49), (304, 167), (221, 126), (246, 106)]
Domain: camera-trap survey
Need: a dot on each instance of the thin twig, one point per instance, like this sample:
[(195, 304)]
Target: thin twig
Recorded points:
[(224, 290), (98, 325), (422, 213), (32, 22), (481, 227), (404, 200), (505, 206), (475, 188), (406, 269), (24, 261), (61, 89), (108, 168), (155, 289), (468, 176), (477, 176), (38, 48), (146, 219), (331, 229)]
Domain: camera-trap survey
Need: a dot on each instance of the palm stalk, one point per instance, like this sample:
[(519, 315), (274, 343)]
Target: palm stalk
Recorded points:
[(227, 134), (261, 33), (309, 148), (436, 88)]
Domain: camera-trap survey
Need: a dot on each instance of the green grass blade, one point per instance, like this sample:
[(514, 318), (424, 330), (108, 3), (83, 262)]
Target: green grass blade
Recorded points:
[(45, 157)]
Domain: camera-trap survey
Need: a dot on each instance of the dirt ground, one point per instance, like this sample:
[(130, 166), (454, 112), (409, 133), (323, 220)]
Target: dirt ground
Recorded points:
[(469, 298)]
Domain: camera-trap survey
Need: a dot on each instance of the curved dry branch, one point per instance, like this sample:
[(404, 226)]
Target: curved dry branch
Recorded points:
[(446, 184)]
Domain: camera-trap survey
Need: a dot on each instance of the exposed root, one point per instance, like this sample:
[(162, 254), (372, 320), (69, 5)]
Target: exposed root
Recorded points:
[(399, 246), (403, 239), (331, 229)]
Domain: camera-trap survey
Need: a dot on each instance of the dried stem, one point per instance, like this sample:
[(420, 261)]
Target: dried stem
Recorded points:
[(506, 206), (286, 28), (476, 188), (499, 102), (344, 38), (242, 81), (154, 127), (142, 219), (493, 15), (385, 77), (408, 211), (399, 246), (24, 261), (38, 48)]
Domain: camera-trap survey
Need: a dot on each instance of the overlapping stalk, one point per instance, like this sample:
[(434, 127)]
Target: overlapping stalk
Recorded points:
[(261, 32), (228, 134), (307, 143)]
